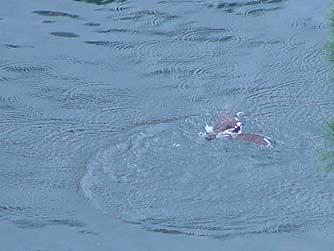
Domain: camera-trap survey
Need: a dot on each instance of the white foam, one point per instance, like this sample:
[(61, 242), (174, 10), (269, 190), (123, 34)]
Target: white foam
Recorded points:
[(208, 129), (268, 142)]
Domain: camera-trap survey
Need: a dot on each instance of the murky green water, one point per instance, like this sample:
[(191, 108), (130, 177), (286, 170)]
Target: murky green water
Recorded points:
[(102, 103)]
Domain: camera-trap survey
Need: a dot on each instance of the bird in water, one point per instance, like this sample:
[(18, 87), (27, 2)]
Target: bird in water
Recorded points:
[(231, 128)]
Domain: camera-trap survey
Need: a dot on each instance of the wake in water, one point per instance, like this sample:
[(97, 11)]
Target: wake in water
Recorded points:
[(166, 180)]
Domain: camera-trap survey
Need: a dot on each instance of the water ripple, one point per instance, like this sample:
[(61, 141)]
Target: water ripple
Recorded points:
[(112, 5), (99, 95), (209, 35), (189, 72), (25, 68), (308, 23), (25, 72), (155, 18), (119, 108), (147, 179), (167, 49), (259, 11), (253, 7), (118, 45), (312, 58), (9, 103)]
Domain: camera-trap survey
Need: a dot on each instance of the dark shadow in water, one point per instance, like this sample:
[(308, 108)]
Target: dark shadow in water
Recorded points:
[(114, 30), (48, 21), (118, 45), (12, 209), (101, 2), (167, 231), (88, 232), (33, 224), (223, 5), (50, 13), (13, 46), (64, 34), (91, 24), (280, 228), (233, 6)]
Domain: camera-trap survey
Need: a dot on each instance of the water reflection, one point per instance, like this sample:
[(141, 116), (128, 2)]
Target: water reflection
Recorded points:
[(328, 157), (330, 46)]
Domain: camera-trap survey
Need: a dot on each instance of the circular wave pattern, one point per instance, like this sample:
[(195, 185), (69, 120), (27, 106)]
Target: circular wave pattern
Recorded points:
[(307, 23), (153, 17), (193, 72), (258, 11), (117, 45), (166, 49), (169, 180), (25, 72), (253, 8), (103, 99), (101, 102), (209, 35)]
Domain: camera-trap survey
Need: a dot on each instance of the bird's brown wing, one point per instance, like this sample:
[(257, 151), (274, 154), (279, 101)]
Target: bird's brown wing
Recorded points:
[(254, 138), (225, 122)]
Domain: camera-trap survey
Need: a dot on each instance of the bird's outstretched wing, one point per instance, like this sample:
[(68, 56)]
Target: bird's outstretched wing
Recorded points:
[(254, 138)]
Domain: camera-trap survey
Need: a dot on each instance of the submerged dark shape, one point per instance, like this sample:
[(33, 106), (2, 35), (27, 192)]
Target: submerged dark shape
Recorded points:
[(231, 128)]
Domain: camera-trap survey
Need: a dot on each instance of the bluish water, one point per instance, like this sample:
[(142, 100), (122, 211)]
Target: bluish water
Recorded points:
[(102, 103)]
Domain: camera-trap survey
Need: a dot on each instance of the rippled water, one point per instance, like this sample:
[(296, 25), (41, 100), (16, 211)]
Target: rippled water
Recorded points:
[(103, 101)]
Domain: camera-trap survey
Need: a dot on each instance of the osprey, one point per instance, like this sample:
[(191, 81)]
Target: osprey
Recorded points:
[(231, 128)]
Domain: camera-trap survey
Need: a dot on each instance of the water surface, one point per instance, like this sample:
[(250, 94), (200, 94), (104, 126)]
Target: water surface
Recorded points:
[(101, 104)]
